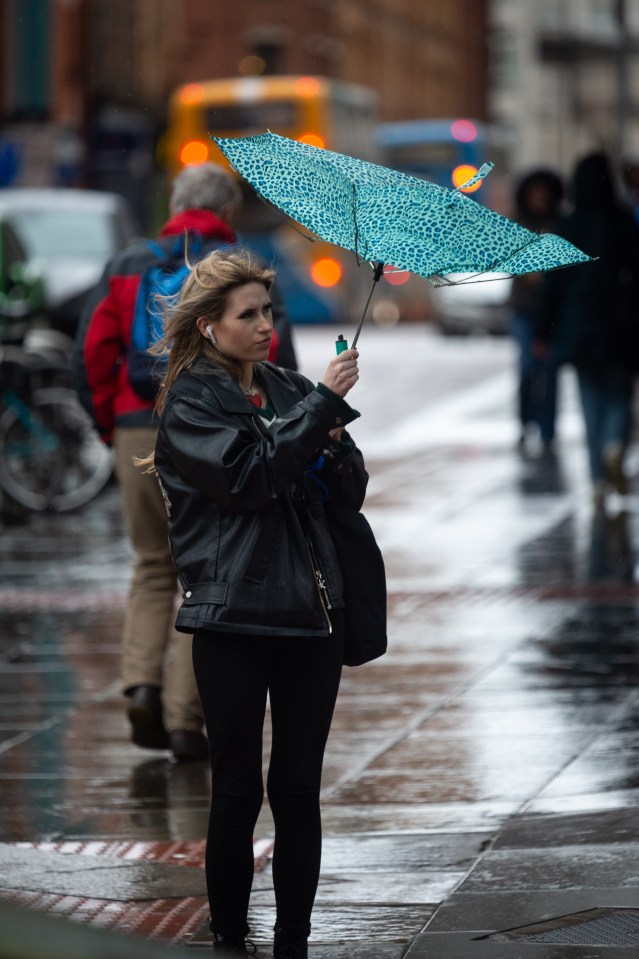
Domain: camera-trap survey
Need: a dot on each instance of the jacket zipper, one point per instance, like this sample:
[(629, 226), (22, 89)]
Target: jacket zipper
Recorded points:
[(320, 583)]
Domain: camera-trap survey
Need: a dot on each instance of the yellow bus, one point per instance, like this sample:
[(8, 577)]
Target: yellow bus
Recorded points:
[(315, 110), (320, 282)]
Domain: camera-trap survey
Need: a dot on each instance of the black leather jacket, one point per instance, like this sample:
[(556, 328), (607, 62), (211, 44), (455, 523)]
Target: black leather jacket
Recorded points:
[(247, 523)]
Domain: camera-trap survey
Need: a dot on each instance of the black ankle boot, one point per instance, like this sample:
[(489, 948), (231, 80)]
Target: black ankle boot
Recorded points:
[(289, 945), (229, 945)]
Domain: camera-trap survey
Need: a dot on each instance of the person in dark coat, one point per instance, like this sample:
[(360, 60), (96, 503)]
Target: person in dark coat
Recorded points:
[(537, 201), (263, 589), (589, 317)]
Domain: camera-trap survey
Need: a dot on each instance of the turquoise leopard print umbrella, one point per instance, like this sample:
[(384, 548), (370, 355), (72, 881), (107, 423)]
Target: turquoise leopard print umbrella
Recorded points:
[(384, 216)]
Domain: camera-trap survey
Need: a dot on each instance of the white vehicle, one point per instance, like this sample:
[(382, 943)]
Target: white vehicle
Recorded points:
[(475, 304), (69, 234)]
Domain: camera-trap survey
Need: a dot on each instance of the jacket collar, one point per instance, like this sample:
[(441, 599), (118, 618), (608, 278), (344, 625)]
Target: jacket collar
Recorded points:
[(199, 221), (281, 390)]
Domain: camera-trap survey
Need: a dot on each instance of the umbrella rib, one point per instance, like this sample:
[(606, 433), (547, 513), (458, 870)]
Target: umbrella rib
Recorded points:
[(282, 214), (286, 216), (356, 236), (489, 269), (509, 256)]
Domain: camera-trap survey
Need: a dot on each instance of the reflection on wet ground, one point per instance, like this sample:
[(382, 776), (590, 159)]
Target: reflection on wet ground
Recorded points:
[(503, 719)]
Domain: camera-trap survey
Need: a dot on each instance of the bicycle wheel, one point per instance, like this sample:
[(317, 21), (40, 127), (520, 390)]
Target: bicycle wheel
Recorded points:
[(50, 456)]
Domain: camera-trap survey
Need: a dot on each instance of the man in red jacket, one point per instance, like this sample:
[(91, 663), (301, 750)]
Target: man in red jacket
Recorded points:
[(163, 706)]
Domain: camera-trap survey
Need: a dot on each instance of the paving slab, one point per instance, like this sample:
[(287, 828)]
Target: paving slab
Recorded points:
[(584, 802), (606, 827), (339, 818), (566, 867), (402, 852), (484, 914), (93, 877), (460, 946), (470, 925)]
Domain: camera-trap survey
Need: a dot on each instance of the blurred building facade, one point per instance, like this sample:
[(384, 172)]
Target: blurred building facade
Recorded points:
[(84, 84), (565, 78)]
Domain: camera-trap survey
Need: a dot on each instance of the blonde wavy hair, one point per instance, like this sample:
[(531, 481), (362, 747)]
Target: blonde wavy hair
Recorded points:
[(204, 294)]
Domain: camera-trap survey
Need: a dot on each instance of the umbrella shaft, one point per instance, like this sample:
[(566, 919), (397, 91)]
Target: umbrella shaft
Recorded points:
[(379, 269)]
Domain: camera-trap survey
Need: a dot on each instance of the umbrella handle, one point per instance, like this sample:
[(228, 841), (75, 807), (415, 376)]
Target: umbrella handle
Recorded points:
[(377, 272)]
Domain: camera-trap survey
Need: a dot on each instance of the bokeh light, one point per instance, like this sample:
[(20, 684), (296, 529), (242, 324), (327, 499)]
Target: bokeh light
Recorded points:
[(326, 272), (313, 139), (464, 131), (307, 87), (194, 152), (462, 174), (192, 93)]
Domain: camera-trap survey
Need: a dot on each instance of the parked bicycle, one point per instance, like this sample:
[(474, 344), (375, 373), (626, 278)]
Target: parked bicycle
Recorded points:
[(51, 458)]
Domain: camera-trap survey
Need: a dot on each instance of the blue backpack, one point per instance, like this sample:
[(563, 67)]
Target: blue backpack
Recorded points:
[(164, 278)]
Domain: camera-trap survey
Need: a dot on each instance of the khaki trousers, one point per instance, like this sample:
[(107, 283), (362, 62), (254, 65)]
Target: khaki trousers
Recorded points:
[(153, 653)]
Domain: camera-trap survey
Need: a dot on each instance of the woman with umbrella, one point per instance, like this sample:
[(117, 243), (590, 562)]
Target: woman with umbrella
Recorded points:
[(262, 581)]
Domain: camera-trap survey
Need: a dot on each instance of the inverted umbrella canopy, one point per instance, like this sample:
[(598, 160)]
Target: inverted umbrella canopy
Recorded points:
[(385, 216), (389, 217)]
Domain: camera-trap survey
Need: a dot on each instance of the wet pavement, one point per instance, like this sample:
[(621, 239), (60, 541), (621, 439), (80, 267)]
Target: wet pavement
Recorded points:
[(481, 786)]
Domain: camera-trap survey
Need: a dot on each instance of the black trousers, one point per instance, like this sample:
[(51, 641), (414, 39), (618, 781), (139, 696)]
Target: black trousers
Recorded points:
[(301, 676)]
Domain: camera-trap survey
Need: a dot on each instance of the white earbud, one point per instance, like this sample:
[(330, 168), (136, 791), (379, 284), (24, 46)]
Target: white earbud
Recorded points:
[(209, 330)]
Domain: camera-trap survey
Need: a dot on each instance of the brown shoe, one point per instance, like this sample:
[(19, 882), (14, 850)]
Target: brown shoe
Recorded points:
[(187, 744), (145, 715)]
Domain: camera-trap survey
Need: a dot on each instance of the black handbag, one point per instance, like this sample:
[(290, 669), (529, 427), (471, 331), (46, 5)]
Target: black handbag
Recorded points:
[(364, 577)]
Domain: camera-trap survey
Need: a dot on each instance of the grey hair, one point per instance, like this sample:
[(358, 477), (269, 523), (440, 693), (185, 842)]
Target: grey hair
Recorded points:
[(206, 186)]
